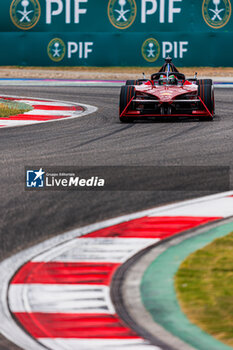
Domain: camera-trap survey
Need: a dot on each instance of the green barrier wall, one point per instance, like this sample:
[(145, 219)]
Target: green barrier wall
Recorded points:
[(116, 32)]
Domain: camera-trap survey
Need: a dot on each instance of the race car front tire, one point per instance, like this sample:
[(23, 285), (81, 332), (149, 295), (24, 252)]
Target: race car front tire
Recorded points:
[(206, 93), (127, 93)]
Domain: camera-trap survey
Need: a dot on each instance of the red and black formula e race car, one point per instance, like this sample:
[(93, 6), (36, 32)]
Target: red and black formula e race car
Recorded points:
[(167, 93)]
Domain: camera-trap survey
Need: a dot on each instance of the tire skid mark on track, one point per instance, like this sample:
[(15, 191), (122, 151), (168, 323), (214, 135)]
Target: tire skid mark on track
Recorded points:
[(181, 133), (67, 313), (104, 136)]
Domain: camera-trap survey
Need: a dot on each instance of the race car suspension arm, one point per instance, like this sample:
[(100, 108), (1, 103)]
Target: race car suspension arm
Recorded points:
[(206, 108), (126, 108)]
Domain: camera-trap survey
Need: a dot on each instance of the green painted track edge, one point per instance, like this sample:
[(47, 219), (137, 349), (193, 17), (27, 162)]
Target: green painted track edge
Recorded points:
[(158, 292)]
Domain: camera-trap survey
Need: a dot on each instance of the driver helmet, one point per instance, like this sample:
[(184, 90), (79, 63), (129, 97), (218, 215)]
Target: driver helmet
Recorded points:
[(173, 80), (162, 79)]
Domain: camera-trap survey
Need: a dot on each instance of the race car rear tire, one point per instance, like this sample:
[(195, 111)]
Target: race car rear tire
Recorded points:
[(127, 93), (206, 93), (205, 81), (132, 82)]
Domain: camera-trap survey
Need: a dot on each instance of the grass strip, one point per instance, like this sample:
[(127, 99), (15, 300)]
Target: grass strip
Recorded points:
[(204, 286), (10, 108)]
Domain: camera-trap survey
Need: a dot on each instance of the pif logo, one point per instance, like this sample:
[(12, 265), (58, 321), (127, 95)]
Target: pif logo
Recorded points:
[(56, 50), (150, 50), (122, 13), (216, 13), (25, 13)]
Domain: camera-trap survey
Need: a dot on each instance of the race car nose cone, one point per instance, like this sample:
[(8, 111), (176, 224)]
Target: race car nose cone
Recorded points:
[(165, 96)]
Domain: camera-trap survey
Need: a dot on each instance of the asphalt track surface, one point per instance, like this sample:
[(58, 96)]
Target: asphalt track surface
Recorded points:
[(99, 139)]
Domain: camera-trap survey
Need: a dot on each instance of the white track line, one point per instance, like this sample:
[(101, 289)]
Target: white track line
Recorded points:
[(222, 82), (98, 344), (112, 250), (67, 298), (219, 207), (55, 113), (13, 123), (44, 103)]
